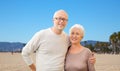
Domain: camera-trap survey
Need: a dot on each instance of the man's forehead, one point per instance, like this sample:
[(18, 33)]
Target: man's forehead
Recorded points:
[(61, 14)]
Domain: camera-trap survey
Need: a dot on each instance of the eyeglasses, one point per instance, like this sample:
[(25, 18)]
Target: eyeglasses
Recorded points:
[(63, 19)]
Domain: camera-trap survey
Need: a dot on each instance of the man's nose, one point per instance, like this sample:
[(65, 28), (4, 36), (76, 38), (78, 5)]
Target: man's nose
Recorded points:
[(61, 20)]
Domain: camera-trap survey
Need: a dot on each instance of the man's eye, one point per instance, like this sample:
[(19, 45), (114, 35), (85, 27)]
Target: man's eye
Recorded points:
[(72, 33)]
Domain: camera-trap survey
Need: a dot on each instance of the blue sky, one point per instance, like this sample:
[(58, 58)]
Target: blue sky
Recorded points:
[(21, 19)]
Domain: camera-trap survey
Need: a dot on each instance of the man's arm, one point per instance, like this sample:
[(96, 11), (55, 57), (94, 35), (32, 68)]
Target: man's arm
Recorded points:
[(29, 48)]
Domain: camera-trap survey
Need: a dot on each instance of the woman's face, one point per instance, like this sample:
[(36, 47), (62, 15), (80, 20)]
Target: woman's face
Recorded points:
[(76, 36)]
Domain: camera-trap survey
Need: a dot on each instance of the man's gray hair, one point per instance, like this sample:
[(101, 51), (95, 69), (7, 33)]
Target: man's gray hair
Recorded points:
[(60, 11), (80, 27)]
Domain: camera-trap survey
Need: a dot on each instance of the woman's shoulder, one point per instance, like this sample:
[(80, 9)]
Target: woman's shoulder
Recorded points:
[(87, 50)]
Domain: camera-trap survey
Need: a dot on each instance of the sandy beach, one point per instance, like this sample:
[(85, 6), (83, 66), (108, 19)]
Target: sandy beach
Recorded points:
[(104, 62)]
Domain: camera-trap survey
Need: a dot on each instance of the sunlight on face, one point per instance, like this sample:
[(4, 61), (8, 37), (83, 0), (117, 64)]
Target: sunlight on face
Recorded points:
[(76, 36), (60, 19)]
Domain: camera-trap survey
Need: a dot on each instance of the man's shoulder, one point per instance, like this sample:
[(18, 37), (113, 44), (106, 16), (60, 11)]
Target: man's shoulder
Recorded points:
[(65, 33), (42, 32)]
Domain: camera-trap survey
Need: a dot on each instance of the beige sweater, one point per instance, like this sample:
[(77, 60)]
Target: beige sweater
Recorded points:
[(51, 51), (79, 61)]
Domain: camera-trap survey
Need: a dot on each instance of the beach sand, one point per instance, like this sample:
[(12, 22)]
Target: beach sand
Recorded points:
[(104, 62)]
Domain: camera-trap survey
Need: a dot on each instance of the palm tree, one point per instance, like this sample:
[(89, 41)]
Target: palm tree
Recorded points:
[(113, 41), (118, 42), (106, 49)]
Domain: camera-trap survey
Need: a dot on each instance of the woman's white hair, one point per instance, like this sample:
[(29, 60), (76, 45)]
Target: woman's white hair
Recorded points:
[(80, 27)]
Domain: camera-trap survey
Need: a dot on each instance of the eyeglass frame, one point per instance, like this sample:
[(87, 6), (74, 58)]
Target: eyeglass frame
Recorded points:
[(63, 19)]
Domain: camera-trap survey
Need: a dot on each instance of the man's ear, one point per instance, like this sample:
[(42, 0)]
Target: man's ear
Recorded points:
[(82, 37)]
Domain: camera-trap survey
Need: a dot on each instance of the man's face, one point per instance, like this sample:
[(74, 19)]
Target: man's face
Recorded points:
[(60, 20)]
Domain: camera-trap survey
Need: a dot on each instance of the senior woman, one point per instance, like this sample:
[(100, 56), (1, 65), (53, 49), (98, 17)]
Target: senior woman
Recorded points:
[(77, 58)]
